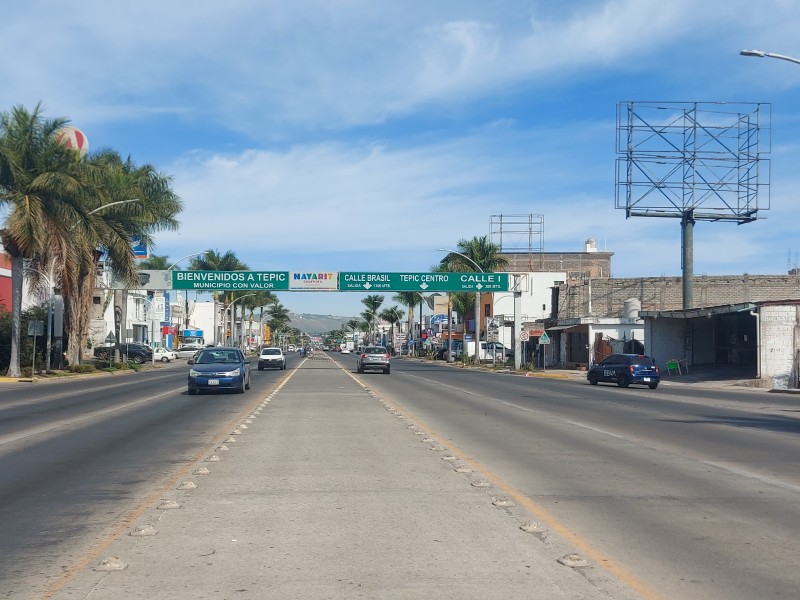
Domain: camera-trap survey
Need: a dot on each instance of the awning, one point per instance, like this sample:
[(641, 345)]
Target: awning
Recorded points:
[(694, 313), (561, 327)]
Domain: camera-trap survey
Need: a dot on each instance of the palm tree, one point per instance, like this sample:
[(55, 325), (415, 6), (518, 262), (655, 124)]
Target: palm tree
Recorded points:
[(409, 300), (392, 315), (157, 263), (48, 190), (128, 200), (260, 299), (373, 304), (478, 253), (32, 172), (212, 260), (278, 315)]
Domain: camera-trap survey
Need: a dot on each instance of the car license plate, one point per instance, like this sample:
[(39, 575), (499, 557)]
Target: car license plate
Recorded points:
[(213, 382), (645, 379)]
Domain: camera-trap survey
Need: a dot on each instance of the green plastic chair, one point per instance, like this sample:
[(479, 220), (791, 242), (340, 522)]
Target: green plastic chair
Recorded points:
[(673, 363)]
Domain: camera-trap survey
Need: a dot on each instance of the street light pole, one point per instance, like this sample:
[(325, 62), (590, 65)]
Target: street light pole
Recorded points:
[(152, 326), (762, 54), (172, 266), (478, 316), (120, 296), (230, 307), (186, 297)]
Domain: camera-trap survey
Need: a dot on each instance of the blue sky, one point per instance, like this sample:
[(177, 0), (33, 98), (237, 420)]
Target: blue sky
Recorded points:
[(363, 134)]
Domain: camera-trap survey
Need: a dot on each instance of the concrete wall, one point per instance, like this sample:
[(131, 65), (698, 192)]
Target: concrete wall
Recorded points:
[(5, 281), (665, 340), (779, 326), (535, 301)]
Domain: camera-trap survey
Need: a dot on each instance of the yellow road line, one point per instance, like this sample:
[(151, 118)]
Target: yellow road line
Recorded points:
[(541, 514)]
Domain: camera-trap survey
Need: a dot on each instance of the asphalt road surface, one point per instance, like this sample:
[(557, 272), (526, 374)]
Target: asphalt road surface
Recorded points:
[(679, 492)]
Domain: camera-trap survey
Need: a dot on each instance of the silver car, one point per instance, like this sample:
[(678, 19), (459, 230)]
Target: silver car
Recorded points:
[(373, 357), (186, 351)]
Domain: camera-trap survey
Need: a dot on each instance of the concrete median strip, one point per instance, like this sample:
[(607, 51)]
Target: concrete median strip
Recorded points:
[(275, 519)]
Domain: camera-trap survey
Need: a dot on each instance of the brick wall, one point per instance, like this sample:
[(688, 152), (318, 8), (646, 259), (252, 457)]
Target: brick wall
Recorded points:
[(591, 264)]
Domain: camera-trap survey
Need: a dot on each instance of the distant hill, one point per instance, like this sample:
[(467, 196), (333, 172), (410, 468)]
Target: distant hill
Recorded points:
[(308, 323)]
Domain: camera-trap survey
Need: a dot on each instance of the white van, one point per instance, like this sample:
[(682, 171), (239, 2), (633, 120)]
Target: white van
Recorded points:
[(490, 351)]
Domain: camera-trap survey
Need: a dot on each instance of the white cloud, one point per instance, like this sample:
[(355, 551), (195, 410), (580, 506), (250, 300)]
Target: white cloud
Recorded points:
[(353, 133)]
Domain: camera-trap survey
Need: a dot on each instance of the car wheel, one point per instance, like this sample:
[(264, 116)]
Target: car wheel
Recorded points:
[(387, 370), (260, 368), (623, 381), (138, 359), (164, 359), (592, 379), (192, 391), (283, 368), (359, 369), (247, 385), (653, 385)]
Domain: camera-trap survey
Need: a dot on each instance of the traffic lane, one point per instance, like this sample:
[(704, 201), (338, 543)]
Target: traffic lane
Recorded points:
[(44, 405), (770, 451), (61, 491), (673, 519)]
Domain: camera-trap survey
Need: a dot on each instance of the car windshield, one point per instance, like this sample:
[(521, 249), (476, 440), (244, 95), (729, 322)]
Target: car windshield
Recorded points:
[(374, 350), (270, 352), (643, 361), (217, 356)]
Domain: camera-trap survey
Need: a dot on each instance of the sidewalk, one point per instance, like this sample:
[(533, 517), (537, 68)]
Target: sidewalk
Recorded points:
[(325, 491)]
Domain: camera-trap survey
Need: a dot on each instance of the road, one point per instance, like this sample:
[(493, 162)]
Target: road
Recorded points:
[(77, 455), (695, 490), (679, 492)]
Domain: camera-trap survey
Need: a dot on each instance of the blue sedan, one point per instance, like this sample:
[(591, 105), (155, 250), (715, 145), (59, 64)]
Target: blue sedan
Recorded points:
[(219, 368), (625, 369)]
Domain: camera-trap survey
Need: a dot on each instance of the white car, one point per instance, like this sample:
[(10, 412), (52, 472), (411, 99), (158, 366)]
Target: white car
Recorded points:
[(271, 358), (164, 354)]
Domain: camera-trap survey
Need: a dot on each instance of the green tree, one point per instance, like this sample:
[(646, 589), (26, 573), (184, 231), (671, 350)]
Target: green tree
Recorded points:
[(33, 172), (278, 316), (478, 253), (157, 263), (213, 260), (373, 304), (392, 315), (410, 300), (260, 300), (125, 200)]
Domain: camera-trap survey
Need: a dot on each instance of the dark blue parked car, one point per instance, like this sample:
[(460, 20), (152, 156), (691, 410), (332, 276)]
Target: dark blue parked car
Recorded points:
[(625, 369), (219, 368)]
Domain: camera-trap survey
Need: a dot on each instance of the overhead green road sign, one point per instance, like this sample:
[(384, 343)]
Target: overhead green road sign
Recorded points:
[(422, 282), (230, 280)]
